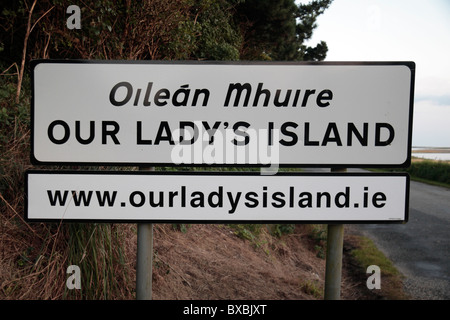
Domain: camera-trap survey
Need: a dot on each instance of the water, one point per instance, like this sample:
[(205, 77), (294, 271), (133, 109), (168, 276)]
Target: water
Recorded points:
[(433, 156)]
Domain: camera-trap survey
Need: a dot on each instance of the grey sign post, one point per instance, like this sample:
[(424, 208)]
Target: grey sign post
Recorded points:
[(144, 268), (333, 273), (335, 245), (144, 265)]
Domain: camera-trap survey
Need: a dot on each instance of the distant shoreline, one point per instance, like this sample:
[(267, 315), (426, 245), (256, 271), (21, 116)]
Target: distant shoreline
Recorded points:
[(431, 150)]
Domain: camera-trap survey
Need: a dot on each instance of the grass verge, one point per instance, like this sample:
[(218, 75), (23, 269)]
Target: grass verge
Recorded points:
[(362, 253)]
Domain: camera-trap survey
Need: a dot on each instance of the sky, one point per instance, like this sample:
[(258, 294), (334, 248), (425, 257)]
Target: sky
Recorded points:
[(398, 30)]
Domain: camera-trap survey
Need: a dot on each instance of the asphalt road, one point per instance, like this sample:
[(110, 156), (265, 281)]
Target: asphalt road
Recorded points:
[(420, 248)]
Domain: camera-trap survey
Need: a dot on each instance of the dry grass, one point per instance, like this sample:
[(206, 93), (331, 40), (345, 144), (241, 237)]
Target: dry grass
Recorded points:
[(34, 256), (30, 259), (34, 259)]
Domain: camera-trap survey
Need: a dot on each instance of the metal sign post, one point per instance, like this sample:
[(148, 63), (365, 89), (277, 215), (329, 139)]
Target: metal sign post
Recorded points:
[(335, 244), (333, 271), (144, 267), (144, 261)]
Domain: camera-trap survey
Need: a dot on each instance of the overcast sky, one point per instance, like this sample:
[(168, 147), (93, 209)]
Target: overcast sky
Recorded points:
[(398, 30)]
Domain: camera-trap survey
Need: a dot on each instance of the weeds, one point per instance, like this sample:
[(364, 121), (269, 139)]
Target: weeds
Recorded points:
[(312, 288), (280, 229), (318, 234), (105, 270), (252, 231), (247, 231), (182, 227), (34, 257)]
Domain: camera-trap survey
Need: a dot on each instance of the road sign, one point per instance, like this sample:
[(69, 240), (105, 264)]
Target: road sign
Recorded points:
[(216, 197), (195, 113)]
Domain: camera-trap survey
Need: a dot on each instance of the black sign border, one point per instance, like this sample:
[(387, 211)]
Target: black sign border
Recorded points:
[(221, 173), (411, 65)]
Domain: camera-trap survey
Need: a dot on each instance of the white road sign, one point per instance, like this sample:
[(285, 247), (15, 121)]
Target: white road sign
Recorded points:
[(195, 113), (216, 197)]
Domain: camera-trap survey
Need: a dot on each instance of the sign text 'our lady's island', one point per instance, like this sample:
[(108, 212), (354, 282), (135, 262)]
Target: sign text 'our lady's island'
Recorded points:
[(344, 114)]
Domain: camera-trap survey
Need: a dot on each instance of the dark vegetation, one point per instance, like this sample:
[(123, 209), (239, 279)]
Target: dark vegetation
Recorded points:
[(428, 171), (431, 171)]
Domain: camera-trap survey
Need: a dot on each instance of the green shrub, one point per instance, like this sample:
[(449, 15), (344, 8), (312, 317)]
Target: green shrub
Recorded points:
[(98, 249), (438, 171)]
